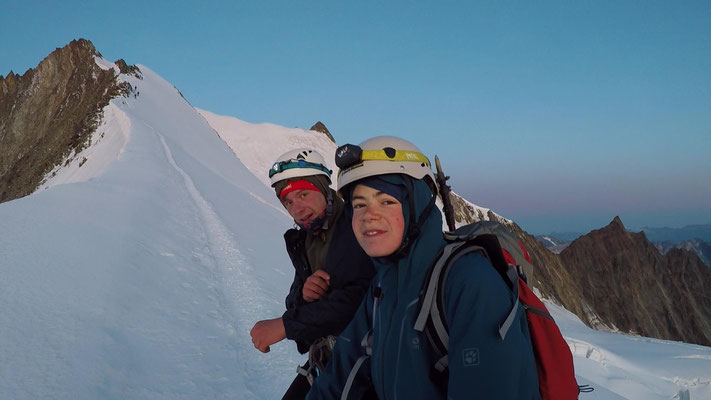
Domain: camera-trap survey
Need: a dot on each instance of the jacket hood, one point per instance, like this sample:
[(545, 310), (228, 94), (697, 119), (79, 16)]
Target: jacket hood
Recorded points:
[(414, 262)]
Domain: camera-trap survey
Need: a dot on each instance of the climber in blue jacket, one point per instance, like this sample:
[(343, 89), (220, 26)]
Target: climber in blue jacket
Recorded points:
[(389, 189)]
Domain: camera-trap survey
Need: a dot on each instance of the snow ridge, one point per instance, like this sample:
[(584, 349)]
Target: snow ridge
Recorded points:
[(229, 268)]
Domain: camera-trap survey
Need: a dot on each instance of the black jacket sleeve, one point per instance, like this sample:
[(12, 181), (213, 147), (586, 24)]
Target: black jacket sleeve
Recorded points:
[(351, 271), (295, 247)]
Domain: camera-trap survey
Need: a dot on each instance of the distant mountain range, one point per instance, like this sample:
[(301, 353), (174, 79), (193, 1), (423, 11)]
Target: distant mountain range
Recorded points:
[(678, 235), (563, 236), (552, 243)]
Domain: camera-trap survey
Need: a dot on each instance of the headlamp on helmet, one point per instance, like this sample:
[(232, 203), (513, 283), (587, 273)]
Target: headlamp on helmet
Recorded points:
[(379, 156)]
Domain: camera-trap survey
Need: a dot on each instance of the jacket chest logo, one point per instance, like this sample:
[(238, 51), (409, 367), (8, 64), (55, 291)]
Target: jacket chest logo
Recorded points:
[(470, 357)]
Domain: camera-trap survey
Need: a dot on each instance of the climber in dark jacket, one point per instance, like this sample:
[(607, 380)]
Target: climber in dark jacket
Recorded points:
[(389, 188), (332, 272)]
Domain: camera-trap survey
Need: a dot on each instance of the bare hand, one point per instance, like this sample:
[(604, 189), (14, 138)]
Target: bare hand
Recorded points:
[(266, 333), (316, 285)]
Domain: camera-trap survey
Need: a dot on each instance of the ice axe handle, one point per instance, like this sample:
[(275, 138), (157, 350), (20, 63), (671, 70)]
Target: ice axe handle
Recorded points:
[(444, 191)]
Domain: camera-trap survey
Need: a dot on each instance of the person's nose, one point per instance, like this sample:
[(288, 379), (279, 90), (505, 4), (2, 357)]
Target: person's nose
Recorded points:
[(370, 213), (296, 206)]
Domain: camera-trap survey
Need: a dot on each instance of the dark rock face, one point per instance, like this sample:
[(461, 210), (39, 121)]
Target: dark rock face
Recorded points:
[(320, 127), (625, 280), (611, 278), (50, 112), (128, 69), (549, 276)]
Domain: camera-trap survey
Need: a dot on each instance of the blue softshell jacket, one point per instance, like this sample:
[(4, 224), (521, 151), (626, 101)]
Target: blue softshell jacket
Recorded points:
[(482, 365)]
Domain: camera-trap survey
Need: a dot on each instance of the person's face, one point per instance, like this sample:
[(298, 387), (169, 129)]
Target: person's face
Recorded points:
[(304, 205), (377, 222)]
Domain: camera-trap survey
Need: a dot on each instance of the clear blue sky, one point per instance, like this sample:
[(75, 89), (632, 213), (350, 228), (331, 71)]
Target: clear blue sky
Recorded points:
[(559, 115)]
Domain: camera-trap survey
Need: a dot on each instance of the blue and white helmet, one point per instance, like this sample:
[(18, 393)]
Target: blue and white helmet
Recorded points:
[(297, 163)]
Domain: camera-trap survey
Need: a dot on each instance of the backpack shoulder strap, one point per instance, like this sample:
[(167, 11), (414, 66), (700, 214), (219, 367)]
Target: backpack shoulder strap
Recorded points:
[(367, 343), (431, 319), (431, 288)]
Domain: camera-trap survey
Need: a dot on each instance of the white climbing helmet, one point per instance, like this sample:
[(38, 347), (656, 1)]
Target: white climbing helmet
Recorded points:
[(297, 163), (379, 156)]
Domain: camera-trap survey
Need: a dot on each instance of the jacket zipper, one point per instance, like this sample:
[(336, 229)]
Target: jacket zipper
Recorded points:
[(384, 341)]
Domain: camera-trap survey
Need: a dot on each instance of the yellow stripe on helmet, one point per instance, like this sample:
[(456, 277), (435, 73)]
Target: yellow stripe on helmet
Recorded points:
[(400, 155)]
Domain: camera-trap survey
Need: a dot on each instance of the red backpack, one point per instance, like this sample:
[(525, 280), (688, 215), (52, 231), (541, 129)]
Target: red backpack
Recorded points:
[(554, 361)]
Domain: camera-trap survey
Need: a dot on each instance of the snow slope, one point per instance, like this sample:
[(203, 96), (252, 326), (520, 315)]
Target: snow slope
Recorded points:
[(623, 366), (258, 145), (140, 273), (143, 279)]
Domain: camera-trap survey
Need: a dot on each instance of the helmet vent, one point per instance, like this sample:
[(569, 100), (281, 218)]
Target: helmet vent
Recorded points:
[(390, 152)]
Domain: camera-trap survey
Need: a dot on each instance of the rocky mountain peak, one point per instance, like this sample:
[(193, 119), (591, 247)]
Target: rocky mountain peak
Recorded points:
[(81, 45), (320, 127), (128, 69), (615, 235), (76, 53), (632, 287), (614, 227), (617, 222), (8, 83), (49, 113), (614, 279)]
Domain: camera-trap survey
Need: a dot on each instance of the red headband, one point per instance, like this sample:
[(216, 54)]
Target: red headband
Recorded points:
[(297, 185)]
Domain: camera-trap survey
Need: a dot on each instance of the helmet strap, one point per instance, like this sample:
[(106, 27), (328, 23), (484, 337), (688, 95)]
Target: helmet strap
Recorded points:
[(320, 223), (329, 208)]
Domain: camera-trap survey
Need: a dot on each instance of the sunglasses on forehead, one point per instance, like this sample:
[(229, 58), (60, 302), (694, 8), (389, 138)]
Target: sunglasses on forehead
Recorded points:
[(349, 155), (289, 164)]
